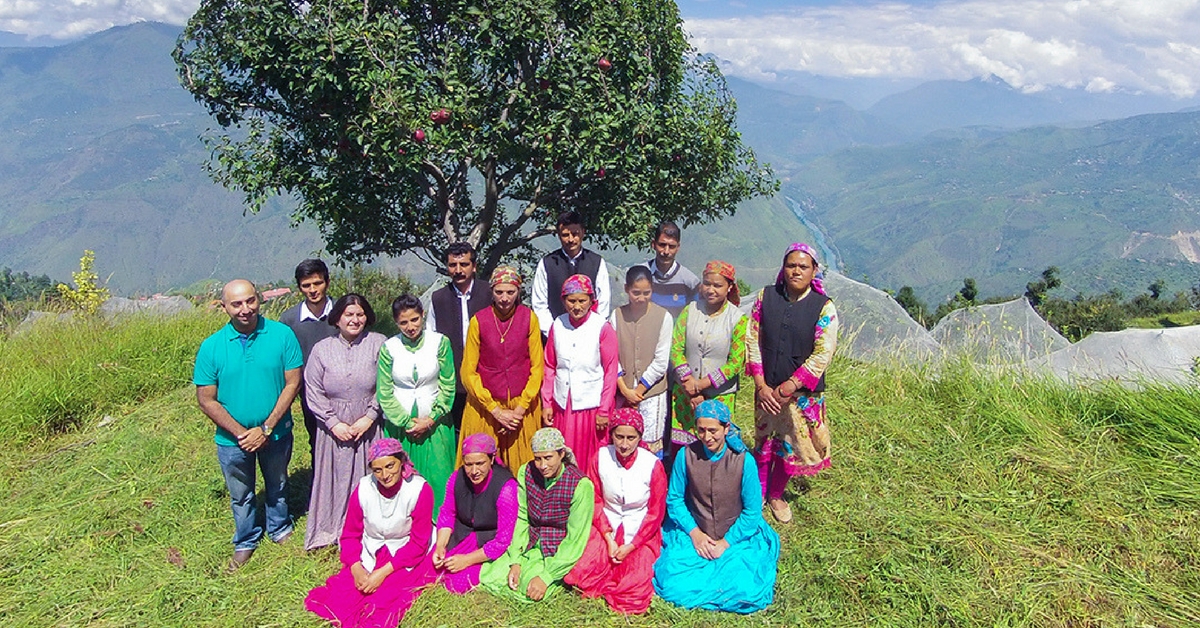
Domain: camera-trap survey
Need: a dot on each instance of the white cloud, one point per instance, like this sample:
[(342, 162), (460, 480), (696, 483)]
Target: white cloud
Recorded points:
[(67, 19), (1103, 45)]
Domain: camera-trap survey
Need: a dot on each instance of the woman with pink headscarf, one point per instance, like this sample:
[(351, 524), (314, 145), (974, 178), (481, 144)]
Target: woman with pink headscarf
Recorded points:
[(791, 340), (580, 385), (384, 546), (626, 535), (476, 522)]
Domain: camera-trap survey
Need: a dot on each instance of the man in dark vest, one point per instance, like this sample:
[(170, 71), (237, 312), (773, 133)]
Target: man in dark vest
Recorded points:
[(309, 320), (556, 267), (451, 309)]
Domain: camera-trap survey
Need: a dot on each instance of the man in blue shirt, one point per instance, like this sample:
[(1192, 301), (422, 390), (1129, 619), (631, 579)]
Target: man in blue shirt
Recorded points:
[(246, 376)]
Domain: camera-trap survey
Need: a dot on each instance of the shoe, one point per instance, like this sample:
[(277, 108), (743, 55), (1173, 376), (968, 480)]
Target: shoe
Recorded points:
[(782, 512), (240, 557)]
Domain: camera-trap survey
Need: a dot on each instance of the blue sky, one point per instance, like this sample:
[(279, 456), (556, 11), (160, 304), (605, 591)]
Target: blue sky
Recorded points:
[(1136, 46)]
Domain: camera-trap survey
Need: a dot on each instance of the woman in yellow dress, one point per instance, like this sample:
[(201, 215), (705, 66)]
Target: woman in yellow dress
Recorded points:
[(502, 371)]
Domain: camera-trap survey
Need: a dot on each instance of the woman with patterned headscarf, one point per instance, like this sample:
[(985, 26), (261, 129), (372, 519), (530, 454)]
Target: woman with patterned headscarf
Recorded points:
[(502, 371), (626, 536), (554, 514), (476, 522), (384, 546), (580, 386), (708, 349), (792, 338), (718, 551)]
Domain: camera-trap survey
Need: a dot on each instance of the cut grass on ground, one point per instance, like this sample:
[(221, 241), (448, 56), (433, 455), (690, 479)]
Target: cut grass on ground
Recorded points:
[(956, 498)]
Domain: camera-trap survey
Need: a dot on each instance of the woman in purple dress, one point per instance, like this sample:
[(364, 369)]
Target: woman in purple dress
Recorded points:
[(339, 381)]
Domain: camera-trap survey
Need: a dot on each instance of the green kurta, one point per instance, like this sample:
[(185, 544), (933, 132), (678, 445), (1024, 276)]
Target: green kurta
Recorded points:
[(433, 453), (494, 574)]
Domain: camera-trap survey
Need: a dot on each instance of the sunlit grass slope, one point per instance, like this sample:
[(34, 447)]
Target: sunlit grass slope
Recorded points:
[(957, 498)]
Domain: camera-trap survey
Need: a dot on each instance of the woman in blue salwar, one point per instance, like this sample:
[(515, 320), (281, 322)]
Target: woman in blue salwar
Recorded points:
[(718, 551)]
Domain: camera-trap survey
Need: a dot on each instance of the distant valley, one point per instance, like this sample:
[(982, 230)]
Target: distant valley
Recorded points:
[(927, 185)]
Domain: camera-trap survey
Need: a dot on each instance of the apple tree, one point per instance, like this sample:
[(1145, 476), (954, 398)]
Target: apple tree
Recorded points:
[(402, 126)]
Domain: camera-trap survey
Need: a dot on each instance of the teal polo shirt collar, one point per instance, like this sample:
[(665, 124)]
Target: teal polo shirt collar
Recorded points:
[(231, 332)]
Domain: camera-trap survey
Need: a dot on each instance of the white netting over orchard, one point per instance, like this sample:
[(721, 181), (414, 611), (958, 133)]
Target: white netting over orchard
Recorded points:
[(1009, 333), (1129, 356), (874, 326)]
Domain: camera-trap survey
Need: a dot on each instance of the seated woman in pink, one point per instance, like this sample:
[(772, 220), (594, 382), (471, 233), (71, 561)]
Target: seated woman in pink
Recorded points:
[(477, 519), (384, 546), (626, 536)]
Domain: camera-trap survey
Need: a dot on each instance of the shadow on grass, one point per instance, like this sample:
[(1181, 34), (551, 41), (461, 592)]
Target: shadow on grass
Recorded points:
[(299, 487)]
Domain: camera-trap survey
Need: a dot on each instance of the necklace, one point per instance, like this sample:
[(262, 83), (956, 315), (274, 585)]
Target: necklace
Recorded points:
[(503, 333)]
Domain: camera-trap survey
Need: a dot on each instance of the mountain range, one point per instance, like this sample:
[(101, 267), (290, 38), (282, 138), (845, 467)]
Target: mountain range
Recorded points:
[(911, 184)]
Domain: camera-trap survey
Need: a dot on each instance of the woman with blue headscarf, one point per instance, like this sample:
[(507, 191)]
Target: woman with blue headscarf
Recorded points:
[(718, 551)]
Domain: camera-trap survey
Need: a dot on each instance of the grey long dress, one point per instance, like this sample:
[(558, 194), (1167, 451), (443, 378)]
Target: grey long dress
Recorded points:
[(340, 385)]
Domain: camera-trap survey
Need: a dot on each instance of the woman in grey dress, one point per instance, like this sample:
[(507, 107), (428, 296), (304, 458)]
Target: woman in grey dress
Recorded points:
[(340, 385)]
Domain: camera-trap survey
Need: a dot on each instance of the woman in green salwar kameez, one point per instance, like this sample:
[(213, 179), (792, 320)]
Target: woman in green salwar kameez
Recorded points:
[(416, 390)]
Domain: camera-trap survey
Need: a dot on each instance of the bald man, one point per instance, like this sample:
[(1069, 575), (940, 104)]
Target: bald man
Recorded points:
[(246, 376)]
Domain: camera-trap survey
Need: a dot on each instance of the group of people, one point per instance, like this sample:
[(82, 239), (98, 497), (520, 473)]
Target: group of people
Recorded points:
[(528, 449)]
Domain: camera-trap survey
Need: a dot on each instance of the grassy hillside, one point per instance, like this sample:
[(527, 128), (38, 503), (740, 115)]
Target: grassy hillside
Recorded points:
[(956, 498)]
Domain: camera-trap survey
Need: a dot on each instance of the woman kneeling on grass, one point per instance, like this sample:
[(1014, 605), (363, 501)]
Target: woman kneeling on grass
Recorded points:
[(477, 519), (718, 551), (626, 537), (384, 546), (553, 518)]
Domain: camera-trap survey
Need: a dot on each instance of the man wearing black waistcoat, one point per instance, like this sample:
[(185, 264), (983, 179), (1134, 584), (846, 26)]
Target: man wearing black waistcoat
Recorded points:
[(556, 267), (451, 309)]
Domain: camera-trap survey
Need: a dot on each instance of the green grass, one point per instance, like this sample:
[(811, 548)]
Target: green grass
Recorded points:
[(957, 498), (57, 377), (1174, 319)]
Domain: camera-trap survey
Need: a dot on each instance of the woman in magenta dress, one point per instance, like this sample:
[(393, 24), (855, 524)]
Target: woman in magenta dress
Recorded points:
[(385, 545), (580, 383), (476, 522), (626, 536)]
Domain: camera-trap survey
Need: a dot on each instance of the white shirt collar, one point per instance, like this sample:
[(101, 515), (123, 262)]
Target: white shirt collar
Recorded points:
[(307, 315), (653, 266), (460, 293)]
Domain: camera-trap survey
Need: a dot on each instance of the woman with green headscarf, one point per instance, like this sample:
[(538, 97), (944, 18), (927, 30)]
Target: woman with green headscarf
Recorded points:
[(554, 516)]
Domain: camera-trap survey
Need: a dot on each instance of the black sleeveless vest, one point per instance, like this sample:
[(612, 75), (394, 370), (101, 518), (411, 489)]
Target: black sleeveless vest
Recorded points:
[(476, 512), (449, 317), (786, 333), (559, 269)]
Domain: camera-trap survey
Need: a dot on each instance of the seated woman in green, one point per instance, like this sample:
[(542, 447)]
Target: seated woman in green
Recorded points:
[(554, 515), (718, 552)]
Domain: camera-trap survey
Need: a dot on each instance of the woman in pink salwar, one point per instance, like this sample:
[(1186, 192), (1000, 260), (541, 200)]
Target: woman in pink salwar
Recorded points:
[(580, 383), (476, 522), (385, 545)]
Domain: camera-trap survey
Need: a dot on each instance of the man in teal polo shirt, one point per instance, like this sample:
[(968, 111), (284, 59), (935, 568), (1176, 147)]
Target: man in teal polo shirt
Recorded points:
[(246, 375)]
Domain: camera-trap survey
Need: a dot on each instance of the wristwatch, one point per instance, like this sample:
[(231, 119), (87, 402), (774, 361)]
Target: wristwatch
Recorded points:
[(266, 430)]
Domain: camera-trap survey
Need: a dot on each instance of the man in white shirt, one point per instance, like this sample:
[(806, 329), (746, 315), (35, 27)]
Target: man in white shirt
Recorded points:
[(451, 309), (556, 267)]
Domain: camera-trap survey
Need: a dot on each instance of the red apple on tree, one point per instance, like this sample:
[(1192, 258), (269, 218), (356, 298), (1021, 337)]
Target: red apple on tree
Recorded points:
[(419, 136), (543, 84), (604, 64), (441, 116)]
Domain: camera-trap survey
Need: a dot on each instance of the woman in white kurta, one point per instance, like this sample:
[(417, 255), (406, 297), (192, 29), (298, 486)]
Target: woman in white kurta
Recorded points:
[(385, 545)]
